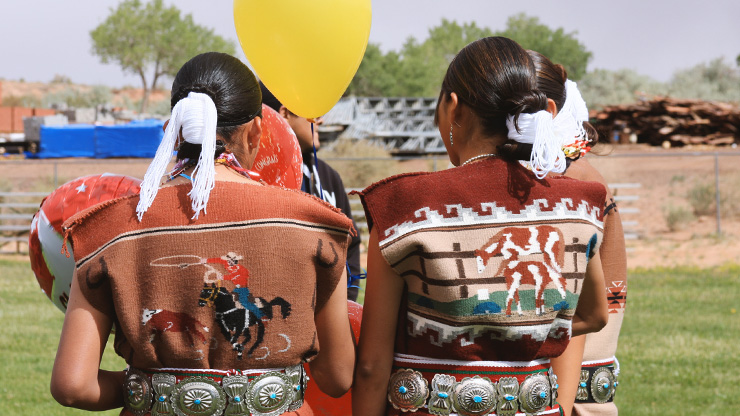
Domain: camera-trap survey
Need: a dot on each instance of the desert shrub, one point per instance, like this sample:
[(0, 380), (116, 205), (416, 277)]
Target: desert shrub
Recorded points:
[(715, 80), (27, 100), (729, 202), (677, 217), (677, 179), (701, 197), (76, 98), (124, 101), (602, 87), (359, 173), (160, 108)]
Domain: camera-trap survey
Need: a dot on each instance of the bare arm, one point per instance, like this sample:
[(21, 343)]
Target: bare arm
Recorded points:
[(77, 380), (591, 312), (568, 369), (332, 368), (379, 320)]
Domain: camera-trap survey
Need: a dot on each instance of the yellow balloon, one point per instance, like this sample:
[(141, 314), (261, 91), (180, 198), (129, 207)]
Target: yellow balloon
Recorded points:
[(305, 51)]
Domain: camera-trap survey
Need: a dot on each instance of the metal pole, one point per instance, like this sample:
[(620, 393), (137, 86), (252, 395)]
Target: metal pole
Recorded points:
[(716, 192)]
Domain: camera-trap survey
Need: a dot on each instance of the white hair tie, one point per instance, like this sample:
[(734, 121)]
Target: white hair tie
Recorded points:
[(549, 135), (538, 130), (197, 116)]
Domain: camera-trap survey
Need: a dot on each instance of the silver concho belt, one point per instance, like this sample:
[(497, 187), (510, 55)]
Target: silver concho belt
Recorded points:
[(598, 384), (269, 394), (408, 391)]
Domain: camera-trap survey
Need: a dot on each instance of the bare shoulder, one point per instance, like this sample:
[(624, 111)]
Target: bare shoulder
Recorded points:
[(583, 170)]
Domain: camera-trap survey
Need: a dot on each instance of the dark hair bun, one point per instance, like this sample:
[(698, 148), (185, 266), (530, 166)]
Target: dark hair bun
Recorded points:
[(512, 150), (529, 102), (183, 92)]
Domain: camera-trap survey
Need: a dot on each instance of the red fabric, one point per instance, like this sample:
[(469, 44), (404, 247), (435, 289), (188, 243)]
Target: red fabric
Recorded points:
[(509, 184), (469, 241)]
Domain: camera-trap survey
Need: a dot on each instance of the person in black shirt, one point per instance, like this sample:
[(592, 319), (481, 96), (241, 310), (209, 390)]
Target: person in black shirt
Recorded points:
[(320, 180)]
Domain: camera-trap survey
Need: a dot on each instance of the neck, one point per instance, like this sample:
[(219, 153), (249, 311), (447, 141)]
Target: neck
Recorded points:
[(226, 174), (478, 145)]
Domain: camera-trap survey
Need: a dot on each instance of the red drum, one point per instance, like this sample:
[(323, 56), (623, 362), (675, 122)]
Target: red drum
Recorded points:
[(279, 157), (53, 269)]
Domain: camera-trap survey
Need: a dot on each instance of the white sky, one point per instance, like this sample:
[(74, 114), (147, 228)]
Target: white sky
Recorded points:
[(41, 38)]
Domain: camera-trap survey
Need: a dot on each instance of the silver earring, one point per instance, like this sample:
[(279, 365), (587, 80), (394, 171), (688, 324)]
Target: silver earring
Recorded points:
[(450, 135)]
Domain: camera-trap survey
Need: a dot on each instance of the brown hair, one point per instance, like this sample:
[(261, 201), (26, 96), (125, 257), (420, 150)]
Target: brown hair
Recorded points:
[(551, 81), (495, 78), (231, 85)]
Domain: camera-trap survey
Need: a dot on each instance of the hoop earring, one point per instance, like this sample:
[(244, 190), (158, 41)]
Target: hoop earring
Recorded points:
[(450, 135)]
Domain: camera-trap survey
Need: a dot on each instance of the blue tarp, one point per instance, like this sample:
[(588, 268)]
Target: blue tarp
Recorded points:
[(75, 140), (136, 139), (139, 139)]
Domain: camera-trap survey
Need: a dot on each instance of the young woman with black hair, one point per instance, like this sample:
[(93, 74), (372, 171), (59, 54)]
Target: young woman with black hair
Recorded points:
[(479, 274), (588, 369), (219, 287)]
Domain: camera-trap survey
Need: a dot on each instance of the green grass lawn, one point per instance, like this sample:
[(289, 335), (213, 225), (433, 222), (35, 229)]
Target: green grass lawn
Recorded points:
[(28, 341), (680, 343), (679, 349)]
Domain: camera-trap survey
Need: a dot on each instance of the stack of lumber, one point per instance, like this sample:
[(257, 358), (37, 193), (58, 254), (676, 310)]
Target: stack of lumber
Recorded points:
[(668, 121)]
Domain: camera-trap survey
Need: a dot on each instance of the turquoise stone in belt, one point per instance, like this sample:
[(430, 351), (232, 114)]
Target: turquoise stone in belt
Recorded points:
[(477, 399), (509, 397), (402, 389), (583, 384), (543, 394), (443, 395), (162, 398), (606, 386), (237, 399), (273, 395), (196, 401)]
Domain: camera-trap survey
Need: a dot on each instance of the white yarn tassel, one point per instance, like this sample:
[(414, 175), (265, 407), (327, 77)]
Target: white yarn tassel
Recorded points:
[(155, 171), (200, 128), (197, 117), (573, 114), (538, 129)]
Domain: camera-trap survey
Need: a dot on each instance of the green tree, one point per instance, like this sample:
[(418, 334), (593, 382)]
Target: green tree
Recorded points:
[(376, 74), (418, 68), (423, 65), (152, 41), (561, 47)]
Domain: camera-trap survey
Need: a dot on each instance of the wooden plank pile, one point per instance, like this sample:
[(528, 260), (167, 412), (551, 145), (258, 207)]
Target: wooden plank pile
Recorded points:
[(669, 121)]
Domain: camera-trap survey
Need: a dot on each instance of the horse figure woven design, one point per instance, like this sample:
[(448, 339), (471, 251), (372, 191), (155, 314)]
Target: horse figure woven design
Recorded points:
[(513, 242), (235, 321)]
